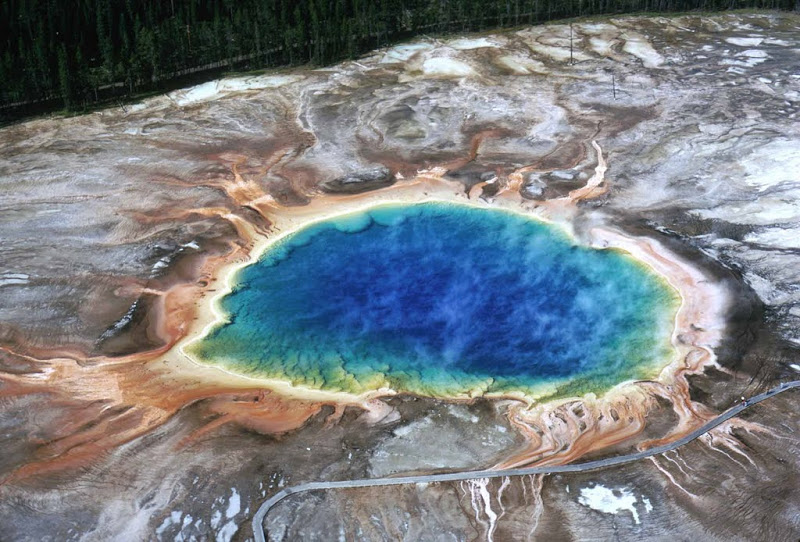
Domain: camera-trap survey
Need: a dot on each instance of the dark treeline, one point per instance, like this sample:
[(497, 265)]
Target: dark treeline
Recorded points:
[(74, 53)]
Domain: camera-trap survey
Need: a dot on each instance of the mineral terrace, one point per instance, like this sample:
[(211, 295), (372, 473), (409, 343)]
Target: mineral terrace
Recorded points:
[(674, 137)]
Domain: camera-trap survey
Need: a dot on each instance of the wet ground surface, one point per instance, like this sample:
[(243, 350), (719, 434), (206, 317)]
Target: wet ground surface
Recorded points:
[(101, 215)]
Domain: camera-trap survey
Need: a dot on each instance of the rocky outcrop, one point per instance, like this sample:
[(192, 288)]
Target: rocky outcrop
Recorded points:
[(360, 181)]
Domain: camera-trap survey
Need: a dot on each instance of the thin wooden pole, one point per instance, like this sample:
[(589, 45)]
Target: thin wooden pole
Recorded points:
[(571, 62)]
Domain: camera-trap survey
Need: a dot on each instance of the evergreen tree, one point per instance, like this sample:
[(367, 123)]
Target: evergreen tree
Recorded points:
[(64, 77)]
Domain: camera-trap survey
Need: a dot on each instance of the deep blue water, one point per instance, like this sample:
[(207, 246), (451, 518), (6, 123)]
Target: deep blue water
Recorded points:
[(439, 299)]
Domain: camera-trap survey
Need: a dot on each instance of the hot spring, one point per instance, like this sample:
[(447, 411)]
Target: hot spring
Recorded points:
[(444, 300)]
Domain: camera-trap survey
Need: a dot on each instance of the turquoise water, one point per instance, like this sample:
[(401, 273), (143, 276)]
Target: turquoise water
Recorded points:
[(442, 299)]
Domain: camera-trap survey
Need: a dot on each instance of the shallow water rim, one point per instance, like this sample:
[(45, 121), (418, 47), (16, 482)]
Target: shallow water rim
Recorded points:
[(621, 242)]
